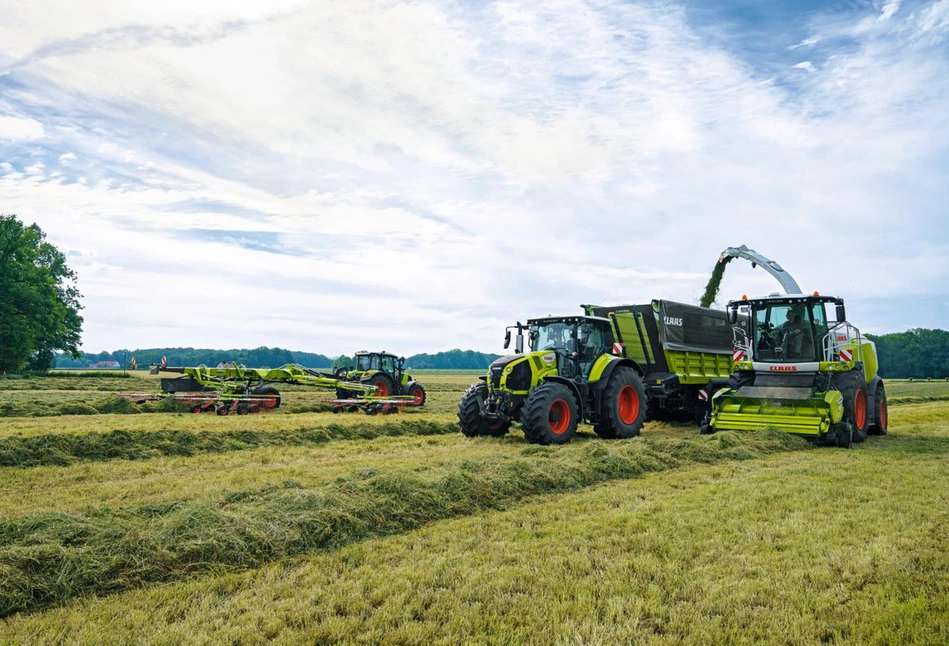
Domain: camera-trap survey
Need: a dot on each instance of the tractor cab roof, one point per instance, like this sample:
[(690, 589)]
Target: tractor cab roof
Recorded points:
[(364, 353), (786, 299), (567, 319)]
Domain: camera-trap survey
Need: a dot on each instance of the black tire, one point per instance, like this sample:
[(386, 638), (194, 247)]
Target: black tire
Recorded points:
[(417, 392), (273, 399), (624, 404), (383, 384), (604, 431), (469, 414), (551, 414), (741, 379), (854, 391), (881, 417), (845, 436), (342, 393)]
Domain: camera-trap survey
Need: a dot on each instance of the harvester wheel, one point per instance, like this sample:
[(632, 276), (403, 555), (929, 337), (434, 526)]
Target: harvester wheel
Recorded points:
[(469, 414), (551, 414), (417, 392), (855, 406), (273, 396), (382, 383), (624, 403), (881, 420)]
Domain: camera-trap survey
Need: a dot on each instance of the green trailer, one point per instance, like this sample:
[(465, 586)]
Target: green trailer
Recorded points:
[(685, 353)]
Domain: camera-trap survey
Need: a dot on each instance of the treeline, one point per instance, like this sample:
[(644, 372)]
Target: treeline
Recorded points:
[(918, 353), (268, 358), (452, 360), (262, 357)]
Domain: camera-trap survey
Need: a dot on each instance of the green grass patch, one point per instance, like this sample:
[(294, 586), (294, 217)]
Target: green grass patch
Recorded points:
[(63, 449), (50, 558)]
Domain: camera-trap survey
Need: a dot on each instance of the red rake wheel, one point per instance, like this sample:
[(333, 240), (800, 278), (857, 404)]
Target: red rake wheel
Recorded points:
[(558, 416), (628, 405)]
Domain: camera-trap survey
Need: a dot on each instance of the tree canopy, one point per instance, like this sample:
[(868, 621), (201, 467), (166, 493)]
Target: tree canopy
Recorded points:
[(918, 353), (39, 302)]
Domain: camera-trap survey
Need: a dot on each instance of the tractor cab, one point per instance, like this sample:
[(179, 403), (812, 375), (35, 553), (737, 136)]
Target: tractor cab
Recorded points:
[(390, 364), (577, 341)]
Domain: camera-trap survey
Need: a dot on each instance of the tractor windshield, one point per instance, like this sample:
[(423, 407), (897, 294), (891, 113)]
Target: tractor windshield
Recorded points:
[(789, 331), (366, 362), (554, 336)]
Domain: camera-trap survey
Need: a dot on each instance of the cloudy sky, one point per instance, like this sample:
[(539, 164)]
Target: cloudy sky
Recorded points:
[(330, 176)]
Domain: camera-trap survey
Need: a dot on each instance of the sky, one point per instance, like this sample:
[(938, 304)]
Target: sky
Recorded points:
[(414, 176)]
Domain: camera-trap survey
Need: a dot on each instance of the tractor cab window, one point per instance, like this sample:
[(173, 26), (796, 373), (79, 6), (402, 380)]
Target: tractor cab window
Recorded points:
[(388, 364), (367, 362), (554, 336), (787, 332)]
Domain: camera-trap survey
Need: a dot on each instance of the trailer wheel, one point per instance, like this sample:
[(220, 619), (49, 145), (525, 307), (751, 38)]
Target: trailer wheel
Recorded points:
[(551, 414), (882, 419), (624, 402), (272, 395), (469, 414)]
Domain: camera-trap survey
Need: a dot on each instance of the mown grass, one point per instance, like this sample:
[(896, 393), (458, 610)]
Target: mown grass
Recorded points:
[(65, 449), (809, 547), (47, 559)]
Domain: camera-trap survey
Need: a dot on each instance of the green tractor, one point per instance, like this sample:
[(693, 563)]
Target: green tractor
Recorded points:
[(568, 376), (386, 372), (798, 371)]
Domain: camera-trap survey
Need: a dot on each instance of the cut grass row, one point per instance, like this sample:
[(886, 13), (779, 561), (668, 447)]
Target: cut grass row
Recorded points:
[(48, 559), (811, 547), (62, 449)]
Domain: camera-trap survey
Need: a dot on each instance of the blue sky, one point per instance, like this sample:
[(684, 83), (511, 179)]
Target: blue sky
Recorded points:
[(415, 175)]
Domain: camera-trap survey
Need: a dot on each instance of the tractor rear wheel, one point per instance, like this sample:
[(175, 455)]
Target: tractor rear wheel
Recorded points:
[(270, 396), (417, 392), (382, 383), (469, 414), (624, 403), (551, 414), (881, 419)]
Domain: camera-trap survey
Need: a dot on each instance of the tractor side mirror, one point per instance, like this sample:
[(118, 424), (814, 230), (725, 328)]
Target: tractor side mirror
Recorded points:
[(519, 342), (841, 313), (732, 315), (507, 339)]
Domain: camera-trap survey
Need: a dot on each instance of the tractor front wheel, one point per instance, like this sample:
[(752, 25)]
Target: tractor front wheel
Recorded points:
[(417, 392), (469, 414), (551, 414), (624, 401)]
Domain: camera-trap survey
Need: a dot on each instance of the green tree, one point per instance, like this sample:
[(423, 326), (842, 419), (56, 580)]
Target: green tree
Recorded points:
[(39, 302)]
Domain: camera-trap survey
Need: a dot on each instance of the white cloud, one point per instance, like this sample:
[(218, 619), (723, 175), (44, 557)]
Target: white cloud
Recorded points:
[(890, 8), (349, 174), (20, 129)]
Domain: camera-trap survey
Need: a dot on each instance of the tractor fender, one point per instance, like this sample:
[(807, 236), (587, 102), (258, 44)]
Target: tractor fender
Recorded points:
[(604, 376), (581, 400), (407, 386), (871, 397)]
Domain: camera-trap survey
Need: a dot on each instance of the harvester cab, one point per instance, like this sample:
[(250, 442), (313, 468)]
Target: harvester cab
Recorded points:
[(567, 375), (797, 369)]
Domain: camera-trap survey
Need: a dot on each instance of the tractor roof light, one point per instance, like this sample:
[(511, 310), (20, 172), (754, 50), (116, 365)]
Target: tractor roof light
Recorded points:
[(816, 293)]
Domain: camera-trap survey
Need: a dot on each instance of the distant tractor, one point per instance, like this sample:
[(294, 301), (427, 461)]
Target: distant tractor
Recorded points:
[(800, 372), (609, 369), (386, 372)]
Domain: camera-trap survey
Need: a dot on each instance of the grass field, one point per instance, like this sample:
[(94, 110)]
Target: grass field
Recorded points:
[(301, 527)]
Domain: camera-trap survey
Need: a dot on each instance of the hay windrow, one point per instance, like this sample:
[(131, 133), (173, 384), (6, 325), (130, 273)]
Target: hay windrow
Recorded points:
[(50, 558), (63, 449)]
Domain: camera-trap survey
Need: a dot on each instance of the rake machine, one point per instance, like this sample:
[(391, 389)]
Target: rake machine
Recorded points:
[(230, 388)]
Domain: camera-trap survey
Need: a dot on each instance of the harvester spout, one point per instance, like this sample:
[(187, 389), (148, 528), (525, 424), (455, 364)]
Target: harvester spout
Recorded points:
[(756, 259)]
